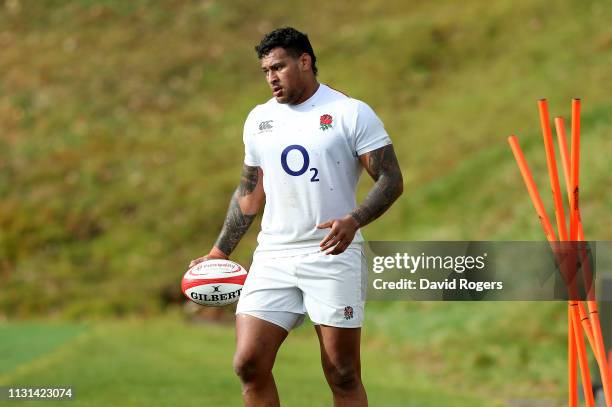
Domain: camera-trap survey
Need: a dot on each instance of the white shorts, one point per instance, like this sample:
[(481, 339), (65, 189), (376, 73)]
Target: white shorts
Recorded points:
[(331, 289)]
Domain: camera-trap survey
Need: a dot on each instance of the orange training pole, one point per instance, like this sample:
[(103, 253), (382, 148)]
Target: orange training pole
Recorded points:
[(552, 169), (562, 230), (575, 226), (575, 169), (572, 368), (565, 162), (587, 387), (532, 189), (550, 235)]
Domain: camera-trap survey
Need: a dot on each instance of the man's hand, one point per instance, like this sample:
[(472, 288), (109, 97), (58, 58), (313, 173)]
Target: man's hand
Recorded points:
[(215, 253), (341, 234)]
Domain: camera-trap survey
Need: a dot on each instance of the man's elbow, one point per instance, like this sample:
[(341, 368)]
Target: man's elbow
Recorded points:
[(399, 186), (251, 204)]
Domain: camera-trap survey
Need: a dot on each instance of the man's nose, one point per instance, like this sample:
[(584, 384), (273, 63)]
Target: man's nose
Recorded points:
[(272, 77)]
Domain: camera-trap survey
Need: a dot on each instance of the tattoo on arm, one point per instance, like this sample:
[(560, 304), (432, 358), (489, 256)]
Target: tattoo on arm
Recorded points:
[(236, 221), (383, 167)]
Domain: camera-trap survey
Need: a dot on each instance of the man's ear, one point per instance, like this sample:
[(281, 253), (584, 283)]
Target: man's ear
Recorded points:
[(305, 62)]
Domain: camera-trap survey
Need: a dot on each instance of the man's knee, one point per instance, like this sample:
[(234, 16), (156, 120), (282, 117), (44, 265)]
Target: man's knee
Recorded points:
[(343, 377), (249, 367)]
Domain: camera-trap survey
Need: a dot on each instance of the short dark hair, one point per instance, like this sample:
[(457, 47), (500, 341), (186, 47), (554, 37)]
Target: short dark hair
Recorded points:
[(291, 40)]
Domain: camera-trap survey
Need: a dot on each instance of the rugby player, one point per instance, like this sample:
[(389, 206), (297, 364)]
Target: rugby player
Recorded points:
[(304, 151)]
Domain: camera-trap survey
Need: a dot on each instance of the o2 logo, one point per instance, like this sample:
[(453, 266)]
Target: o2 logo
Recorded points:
[(302, 170)]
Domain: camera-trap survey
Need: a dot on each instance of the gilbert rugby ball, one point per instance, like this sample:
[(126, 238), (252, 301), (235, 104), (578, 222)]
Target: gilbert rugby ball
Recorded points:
[(214, 283)]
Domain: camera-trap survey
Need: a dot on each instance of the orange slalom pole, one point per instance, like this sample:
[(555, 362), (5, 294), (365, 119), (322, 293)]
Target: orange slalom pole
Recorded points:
[(572, 368), (604, 370), (572, 172), (575, 169), (565, 162), (553, 175), (575, 218), (550, 235), (562, 231), (586, 325), (587, 386), (532, 189)]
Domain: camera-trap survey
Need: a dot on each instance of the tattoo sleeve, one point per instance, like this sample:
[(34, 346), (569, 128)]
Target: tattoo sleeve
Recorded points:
[(383, 167), (237, 221)]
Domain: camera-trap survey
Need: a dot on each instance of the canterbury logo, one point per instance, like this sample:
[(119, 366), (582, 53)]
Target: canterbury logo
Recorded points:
[(265, 125)]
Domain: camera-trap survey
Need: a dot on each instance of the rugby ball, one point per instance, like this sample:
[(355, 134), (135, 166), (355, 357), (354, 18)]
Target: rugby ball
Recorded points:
[(214, 283)]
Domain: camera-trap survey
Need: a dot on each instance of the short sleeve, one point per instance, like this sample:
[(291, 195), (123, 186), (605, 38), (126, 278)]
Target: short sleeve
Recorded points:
[(251, 158), (369, 131)]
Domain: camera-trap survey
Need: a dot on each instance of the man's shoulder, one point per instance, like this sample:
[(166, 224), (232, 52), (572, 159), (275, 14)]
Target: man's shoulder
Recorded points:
[(334, 95), (261, 108), (344, 100)]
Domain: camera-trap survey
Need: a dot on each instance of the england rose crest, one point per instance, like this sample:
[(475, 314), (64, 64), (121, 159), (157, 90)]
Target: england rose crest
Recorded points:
[(326, 122), (348, 312)]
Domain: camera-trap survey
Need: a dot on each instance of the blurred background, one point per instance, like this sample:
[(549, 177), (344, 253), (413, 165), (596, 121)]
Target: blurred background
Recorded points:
[(121, 144)]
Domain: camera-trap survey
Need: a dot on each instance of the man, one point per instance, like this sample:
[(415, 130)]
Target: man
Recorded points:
[(304, 151)]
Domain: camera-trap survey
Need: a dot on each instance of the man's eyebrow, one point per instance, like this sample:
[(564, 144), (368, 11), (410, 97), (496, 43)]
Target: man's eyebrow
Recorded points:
[(274, 65)]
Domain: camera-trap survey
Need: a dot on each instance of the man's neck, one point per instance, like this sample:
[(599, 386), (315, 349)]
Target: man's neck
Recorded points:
[(310, 89)]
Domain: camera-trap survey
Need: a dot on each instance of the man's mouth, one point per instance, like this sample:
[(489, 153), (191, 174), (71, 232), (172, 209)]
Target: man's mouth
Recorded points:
[(277, 91)]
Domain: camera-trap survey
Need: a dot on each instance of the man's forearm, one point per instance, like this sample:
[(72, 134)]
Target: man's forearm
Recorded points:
[(242, 210), (384, 192), (382, 165), (235, 226)]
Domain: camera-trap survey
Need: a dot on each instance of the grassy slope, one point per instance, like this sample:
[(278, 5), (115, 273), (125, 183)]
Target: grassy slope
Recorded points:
[(121, 127), (120, 141)]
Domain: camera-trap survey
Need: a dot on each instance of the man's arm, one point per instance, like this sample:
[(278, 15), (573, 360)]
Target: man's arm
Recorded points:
[(383, 167), (244, 206)]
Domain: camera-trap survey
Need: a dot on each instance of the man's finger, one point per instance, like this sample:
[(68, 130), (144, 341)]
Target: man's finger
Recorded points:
[(196, 261), (330, 244), (335, 250), (325, 225), (340, 248), (327, 238)]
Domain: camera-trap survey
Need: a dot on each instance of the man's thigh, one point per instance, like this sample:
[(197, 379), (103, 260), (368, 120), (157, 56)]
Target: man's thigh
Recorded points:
[(340, 347), (257, 341)]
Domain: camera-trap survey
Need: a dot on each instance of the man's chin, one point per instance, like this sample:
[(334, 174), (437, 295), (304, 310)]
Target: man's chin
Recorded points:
[(282, 99)]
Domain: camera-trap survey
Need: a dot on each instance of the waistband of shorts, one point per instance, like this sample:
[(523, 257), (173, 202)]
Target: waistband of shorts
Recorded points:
[(274, 254)]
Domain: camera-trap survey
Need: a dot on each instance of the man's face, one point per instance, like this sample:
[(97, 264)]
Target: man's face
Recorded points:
[(284, 74)]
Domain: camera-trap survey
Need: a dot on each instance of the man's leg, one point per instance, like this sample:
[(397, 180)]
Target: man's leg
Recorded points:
[(340, 357), (257, 342)]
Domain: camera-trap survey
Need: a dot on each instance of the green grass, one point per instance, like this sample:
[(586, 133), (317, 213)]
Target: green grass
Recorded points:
[(26, 341), (165, 361)]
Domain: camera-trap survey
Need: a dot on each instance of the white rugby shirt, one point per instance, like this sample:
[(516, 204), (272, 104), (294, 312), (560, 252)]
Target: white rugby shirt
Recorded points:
[(309, 157)]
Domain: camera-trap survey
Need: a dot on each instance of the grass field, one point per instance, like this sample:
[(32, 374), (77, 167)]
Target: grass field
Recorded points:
[(167, 361)]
